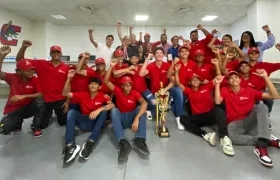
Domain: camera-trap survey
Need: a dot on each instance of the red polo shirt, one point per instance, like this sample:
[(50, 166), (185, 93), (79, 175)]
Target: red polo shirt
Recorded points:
[(89, 104), (239, 105), (186, 71), (80, 83), (206, 71), (269, 68), (52, 78), (201, 100), (157, 75), (19, 87), (139, 82), (126, 103), (201, 44), (154, 44), (117, 80)]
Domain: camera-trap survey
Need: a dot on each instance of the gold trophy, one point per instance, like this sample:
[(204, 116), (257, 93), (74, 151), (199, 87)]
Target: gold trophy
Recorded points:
[(161, 109)]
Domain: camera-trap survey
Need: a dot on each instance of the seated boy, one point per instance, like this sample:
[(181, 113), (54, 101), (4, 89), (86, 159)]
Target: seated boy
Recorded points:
[(94, 106), (247, 122), (128, 115), (25, 97)]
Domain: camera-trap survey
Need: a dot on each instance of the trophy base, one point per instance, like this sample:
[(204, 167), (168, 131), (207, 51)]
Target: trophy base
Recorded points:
[(163, 134)]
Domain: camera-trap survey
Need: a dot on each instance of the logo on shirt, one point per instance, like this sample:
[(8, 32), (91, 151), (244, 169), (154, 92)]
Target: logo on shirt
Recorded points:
[(28, 87), (129, 101), (203, 70), (97, 103), (203, 91), (61, 71), (243, 98), (189, 69)]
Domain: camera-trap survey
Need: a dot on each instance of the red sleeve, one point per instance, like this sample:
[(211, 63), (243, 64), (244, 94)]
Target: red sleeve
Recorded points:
[(224, 82), (186, 91), (117, 90), (106, 98), (77, 96), (37, 63), (149, 67), (207, 39), (137, 96), (9, 77), (91, 73), (37, 85), (270, 67), (210, 85), (257, 94)]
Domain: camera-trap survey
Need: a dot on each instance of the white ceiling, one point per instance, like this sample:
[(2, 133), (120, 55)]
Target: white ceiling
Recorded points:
[(107, 12)]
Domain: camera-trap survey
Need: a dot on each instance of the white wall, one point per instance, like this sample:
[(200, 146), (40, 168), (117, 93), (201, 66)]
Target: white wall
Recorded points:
[(237, 28)]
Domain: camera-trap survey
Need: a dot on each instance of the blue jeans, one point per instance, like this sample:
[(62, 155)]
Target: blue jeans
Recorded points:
[(75, 107), (178, 101), (122, 121), (149, 97), (85, 124)]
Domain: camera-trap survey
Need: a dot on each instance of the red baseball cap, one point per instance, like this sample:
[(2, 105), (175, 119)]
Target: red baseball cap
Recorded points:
[(72, 66), (243, 62), (252, 49), (181, 47), (55, 48), (233, 72), (195, 76), (199, 52), (99, 60), (147, 34), (24, 65), (118, 52), (126, 79)]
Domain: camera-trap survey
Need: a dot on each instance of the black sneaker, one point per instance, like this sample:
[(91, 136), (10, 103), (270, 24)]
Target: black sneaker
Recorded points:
[(70, 152), (124, 150), (87, 149), (18, 128), (140, 146)]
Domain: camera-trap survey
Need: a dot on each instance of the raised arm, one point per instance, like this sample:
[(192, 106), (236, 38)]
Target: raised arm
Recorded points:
[(79, 69), (121, 72), (119, 31), (242, 56), (90, 34), (177, 78), (143, 70), (21, 52), (215, 62), (67, 86), (273, 94), (170, 71), (4, 51), (107, 81), (217, 95), (270, 39)]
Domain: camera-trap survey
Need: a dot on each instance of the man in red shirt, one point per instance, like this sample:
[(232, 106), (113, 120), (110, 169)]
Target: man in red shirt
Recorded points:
[(128, 115), (253, 55), (204, 111), (147, 38), (79, 83), (199, 44), (53, 75), (25, 97), (94, 106), (248, 123)]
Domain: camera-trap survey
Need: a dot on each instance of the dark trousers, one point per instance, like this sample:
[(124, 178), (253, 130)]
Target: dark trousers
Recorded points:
[(11, 120), (215, 116), (57, 107)]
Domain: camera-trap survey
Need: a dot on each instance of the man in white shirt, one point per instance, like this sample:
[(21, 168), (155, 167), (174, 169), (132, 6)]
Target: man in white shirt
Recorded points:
[(105, 50)]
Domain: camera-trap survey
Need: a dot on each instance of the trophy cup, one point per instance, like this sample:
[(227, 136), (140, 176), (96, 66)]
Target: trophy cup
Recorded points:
[(161, 109)]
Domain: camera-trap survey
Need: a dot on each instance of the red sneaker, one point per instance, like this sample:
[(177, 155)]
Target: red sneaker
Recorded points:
[(37, 133), (275, 143), (263, 156)]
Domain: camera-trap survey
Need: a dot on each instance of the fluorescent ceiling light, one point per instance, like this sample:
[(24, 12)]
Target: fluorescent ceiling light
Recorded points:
[(141, 17), (58, 17), (209, 18)]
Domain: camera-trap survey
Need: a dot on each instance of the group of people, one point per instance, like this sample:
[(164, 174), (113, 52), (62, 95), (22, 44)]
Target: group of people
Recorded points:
[(211, 82)]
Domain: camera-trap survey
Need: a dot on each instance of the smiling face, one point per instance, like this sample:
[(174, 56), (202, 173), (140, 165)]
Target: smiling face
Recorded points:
[(93, 87), (127, 87), (254, 56), (159, 55), (26, 74), (195, 82), (244, 68), (184, 53), (226, 41), (134, 60), (199, 58), (234, 80), (55, 55)]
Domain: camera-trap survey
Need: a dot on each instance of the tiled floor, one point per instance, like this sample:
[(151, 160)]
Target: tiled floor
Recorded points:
[(180, 157)]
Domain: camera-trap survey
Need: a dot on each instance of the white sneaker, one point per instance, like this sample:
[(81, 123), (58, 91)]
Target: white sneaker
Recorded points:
[(149, 115), (227, 146), (179, 125), (211, 138)]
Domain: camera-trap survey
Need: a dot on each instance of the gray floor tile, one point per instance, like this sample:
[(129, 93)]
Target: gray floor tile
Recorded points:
[(182, 156)]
